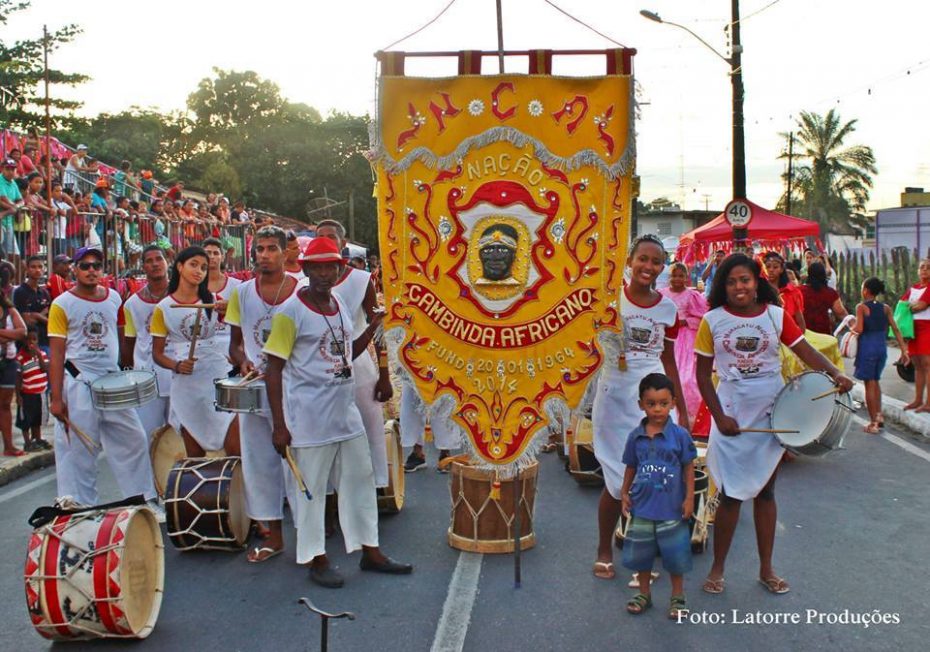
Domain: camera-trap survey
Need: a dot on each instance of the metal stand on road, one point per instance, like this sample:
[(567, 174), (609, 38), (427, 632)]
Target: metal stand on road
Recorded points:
[(516, 530), (324, 618)]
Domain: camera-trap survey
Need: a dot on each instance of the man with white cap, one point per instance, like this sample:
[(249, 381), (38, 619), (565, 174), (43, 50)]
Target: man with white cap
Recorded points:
[(84, 345), (310, 349)]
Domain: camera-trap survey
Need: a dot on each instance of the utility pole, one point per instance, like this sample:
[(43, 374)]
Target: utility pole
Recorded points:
[(52, 218), (790, 171), (736, 78)]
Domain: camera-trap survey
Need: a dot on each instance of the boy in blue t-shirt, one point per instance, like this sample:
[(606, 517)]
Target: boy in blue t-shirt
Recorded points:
[(658, 490)]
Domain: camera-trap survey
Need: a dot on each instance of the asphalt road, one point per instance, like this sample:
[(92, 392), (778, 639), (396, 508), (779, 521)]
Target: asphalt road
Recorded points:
[(853, 538)]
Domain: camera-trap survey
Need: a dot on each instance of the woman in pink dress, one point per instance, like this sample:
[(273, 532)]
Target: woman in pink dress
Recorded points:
[(691, 307)]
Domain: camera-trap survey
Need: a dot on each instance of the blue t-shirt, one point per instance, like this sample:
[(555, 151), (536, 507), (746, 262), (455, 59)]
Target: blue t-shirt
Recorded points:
[(658, 490)]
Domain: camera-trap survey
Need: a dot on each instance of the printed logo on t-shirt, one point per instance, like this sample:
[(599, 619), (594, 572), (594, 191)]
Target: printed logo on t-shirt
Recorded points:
[(642, 333), (94, 328), (746, 343), (333, 351), (187, 326)]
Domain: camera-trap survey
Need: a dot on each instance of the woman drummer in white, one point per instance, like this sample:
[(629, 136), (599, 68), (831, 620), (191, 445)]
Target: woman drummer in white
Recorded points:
[(174, 318), (741, 334), (650, 326)]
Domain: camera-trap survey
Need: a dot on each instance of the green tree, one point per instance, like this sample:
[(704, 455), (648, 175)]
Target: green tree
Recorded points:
[(22, 95), (830, 180), (141, 136)]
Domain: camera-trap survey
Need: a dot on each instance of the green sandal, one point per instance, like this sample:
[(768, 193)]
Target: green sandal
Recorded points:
[(639, 603), (678, 608)]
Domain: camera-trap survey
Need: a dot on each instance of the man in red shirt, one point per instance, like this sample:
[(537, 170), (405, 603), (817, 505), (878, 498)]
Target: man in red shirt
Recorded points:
[(60, 280)]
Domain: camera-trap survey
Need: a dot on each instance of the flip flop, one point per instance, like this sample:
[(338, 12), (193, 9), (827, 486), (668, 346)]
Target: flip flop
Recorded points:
[(634, 583), (604, 570), (254, 556), (871, 429), (775, 584), (714, 587)]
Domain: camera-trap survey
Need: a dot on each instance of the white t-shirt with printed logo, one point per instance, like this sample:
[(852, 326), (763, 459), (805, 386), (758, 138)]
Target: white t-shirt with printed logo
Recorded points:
[(249, 312), (222, 330), (137, 313), (89, 326), (746, 347), (319, 396), (645, 331)]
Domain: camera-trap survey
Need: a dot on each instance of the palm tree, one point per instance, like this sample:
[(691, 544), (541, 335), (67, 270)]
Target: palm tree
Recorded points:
[(831, 181)]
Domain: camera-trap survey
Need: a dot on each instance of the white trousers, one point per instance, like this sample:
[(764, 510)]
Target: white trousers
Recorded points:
[(263, 470), (154, 415), (373, 418), (120, 434), (412, 425), (349, 462)]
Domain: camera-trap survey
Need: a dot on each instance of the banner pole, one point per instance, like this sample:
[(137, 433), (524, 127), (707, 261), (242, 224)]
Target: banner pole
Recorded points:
[(516, 530), (500, 39)]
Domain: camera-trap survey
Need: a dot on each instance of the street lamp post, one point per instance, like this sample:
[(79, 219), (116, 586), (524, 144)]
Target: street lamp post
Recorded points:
[(736, 79)]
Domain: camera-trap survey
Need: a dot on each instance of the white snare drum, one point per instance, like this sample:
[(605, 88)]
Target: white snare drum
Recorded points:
[(96, 574), (124, 389), (821, 423), (233, 397)]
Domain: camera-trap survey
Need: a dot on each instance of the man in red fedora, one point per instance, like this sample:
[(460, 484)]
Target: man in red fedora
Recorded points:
[(310, 351)]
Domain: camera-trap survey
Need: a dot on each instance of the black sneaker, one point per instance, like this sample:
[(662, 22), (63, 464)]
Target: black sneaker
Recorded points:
[(30, 447), (440, 468), (414, 462)]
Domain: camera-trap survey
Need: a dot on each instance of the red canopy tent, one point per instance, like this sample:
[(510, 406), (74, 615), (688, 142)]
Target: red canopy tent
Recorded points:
[(769, 229)]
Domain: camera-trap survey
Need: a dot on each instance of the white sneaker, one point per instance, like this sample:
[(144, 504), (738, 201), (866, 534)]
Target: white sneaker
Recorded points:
[(157, 508)]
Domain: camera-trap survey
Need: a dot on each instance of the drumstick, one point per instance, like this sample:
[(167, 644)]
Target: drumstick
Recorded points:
[(296, 471), (245, 378), (89, 443), (774, 431), (835, 390), (251, 380), (193, 305), (195, 333)]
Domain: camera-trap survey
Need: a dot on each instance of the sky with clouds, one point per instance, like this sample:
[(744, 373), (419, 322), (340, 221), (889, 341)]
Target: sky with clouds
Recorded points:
[(869, 60)]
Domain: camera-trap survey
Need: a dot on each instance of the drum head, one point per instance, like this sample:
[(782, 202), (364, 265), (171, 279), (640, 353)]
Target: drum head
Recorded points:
[(142, 572), (794, 409), (239, 520), (123, 379), (166, 450)]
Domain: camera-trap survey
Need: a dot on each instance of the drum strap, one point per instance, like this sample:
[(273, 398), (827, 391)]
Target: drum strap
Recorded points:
[(71, 369), (47, 514)]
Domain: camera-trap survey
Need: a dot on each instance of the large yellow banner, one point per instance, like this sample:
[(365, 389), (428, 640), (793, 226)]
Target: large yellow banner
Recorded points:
[(504, 207)]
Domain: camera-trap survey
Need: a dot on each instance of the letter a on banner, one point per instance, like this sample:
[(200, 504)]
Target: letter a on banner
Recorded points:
[(504, 211)]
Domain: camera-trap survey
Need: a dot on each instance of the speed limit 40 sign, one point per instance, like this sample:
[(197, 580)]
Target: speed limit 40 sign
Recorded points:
[(738, 213)]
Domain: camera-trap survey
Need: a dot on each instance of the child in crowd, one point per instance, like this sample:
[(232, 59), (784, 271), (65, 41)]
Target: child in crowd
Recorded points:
[(658, 495), (31, 386), (691, 306), (872, 321)]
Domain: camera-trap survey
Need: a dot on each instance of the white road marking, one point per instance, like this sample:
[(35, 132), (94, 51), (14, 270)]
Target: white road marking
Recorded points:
[(456, 611), (29, 486), (897, 441)]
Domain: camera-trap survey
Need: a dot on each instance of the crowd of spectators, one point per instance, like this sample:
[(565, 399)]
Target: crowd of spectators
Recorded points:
[(117, 211)]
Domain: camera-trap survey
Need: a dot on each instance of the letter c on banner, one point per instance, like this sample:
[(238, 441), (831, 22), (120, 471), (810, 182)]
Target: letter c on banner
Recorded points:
[(495, 101)]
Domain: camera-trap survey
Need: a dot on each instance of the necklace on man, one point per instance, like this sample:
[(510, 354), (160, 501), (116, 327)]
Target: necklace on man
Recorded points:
[(340, 344), (277, 294)]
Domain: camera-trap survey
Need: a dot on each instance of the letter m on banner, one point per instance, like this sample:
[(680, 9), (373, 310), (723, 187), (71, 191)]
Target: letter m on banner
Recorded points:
[(504, 211)]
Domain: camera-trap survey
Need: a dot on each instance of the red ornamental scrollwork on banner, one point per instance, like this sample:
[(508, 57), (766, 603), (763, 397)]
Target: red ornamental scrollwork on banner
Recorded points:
[(570, 108)]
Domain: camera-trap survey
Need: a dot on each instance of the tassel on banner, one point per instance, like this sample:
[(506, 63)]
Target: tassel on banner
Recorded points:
[(621, 362), (495, 488), (427, 433)]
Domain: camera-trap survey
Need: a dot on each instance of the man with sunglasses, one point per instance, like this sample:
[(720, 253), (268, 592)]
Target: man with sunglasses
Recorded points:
[(82, 329)]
